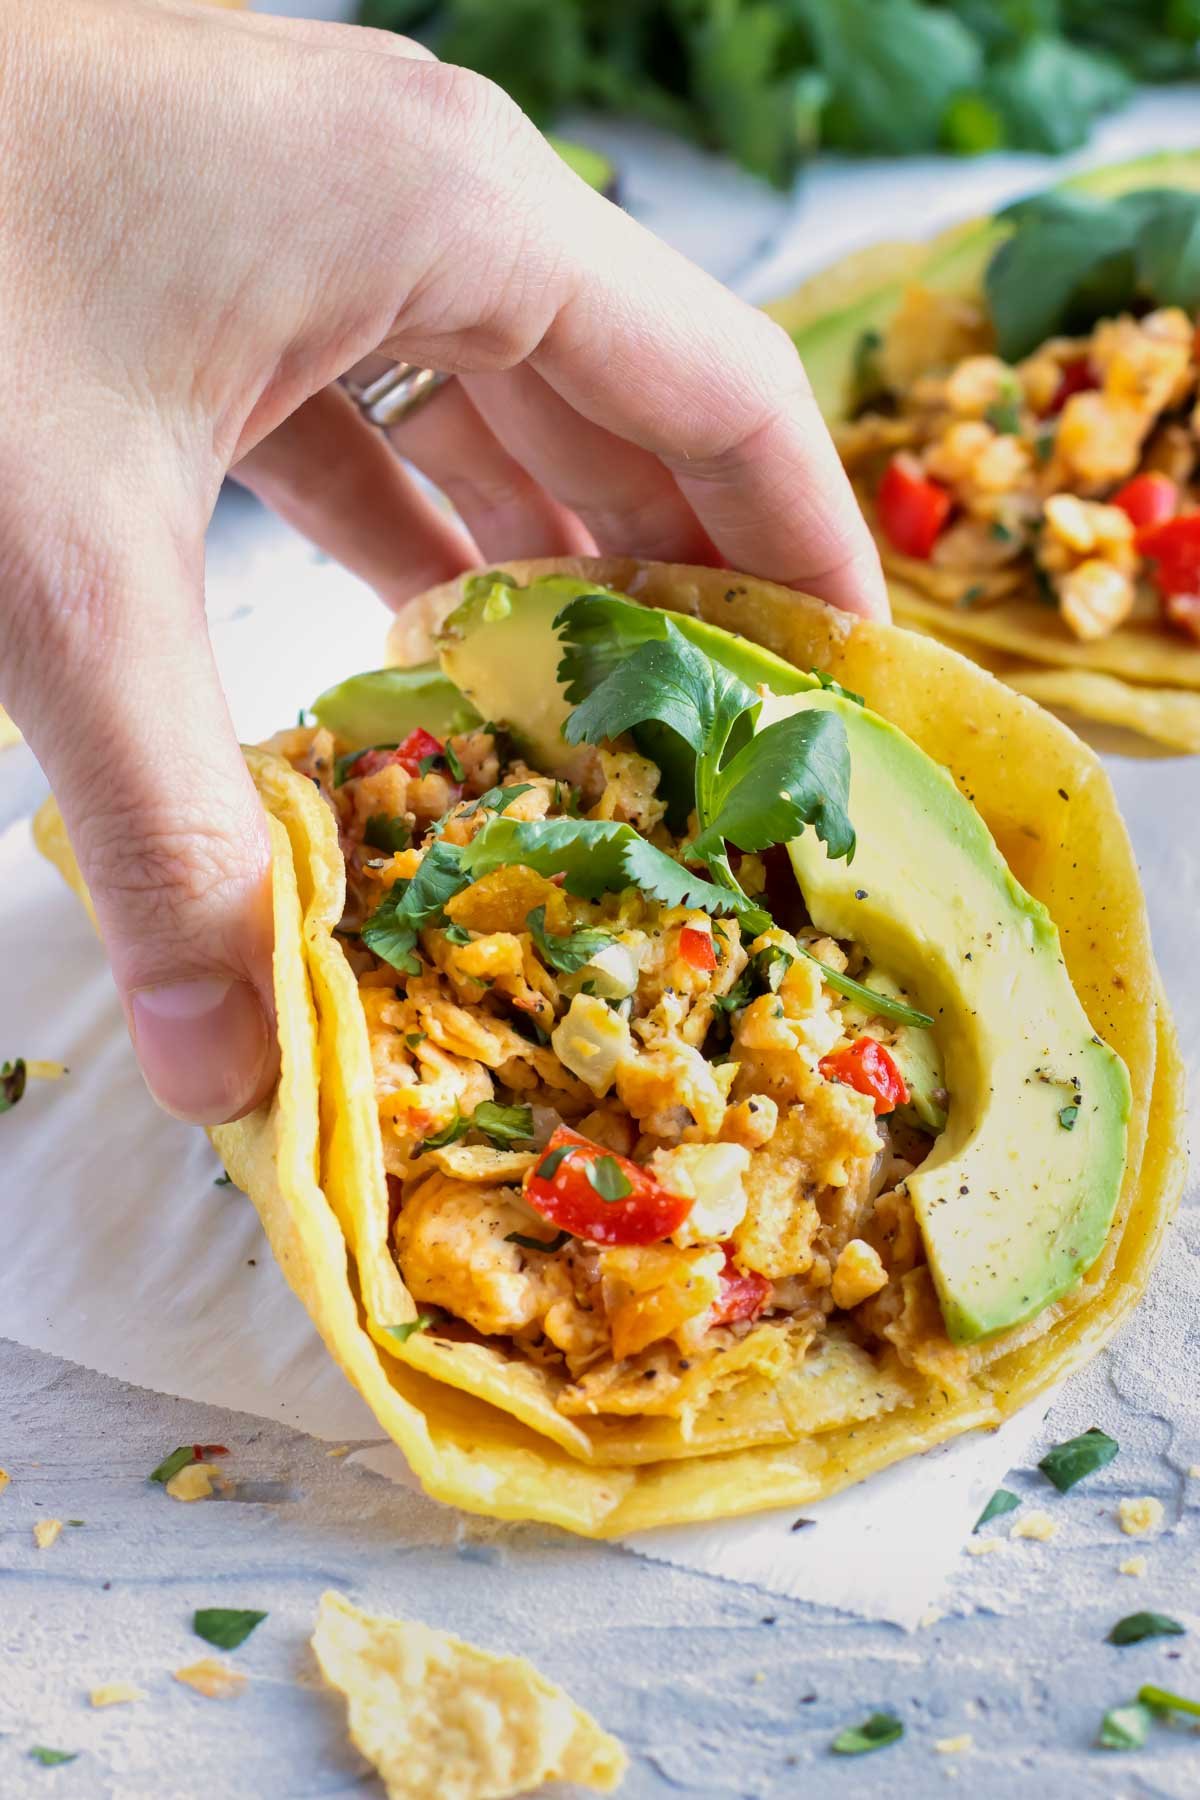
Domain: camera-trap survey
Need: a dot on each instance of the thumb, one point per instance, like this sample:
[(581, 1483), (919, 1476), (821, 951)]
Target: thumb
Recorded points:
[(108, 669)]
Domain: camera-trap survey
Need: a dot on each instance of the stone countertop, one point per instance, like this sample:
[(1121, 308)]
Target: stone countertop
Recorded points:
[(716, 1689)]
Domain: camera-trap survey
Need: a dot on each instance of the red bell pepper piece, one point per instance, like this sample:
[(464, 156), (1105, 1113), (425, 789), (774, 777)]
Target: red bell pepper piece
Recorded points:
[(697, 948), (1149, 500), (409, 755), (570, 1184), (1078, 377), (1183, 610), (912, 509), (869, 1069), (743, 1293), (1175, 551)]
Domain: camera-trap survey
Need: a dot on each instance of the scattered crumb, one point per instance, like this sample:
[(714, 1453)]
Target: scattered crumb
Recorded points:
[(929, 1618), (193, 1482), (340, 1450), (1037, 1525), (1133, 1565), (46, 1532), (954, 1746), (1138, 1516), (760, 1675), (116, 1693), (211, 1678), (984, 1546), (1194, 1471), (5, 1478), (45, 1071)]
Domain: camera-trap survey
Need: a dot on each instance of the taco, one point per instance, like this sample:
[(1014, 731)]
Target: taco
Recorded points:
[(1016, 403), (722, 1050)]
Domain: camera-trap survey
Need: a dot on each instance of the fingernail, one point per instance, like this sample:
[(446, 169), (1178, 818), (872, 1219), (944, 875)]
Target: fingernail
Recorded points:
[(203, 1045)]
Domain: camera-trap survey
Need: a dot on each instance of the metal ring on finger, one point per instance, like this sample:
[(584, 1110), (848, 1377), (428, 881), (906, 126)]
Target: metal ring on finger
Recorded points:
[(387, 392)]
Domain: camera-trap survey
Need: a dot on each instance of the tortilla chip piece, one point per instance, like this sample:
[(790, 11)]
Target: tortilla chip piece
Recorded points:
[(47, 1532), (211, 1678), (116, 1693), (442, 1720), (1167, 715)]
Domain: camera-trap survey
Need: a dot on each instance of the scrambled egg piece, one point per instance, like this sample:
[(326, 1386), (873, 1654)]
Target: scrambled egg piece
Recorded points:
[(47, 1532), (1139, 1516), (443, 1720)]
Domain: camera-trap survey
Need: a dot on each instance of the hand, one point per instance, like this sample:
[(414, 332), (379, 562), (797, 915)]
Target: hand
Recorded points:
[(209, 217)]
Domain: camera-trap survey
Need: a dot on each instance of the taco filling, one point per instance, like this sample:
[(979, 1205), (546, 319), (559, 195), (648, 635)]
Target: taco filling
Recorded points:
[(647, 1125)]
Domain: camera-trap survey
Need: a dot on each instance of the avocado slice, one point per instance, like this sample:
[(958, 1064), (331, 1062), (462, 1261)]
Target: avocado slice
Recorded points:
[(915, 1052), (952, 263), (384, 705), (1017, 1196), (1016, 1199)]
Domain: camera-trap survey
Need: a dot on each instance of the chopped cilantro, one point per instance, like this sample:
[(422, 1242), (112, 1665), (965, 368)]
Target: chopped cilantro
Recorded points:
[(1125, 1727), (1138, 1626), (882, 1005), (50, 1759), (549, 1245), (226, 1627), (12, 1083), (609, 1179), (1000, 531), (454, 762), (1002, 1501), (1162, 1700), (224, 1179), (548, 1168), (1067, 1115), (496, 799), (1043, 442), (171, 1465), (503, 1125), (1004, 417), (449, 1134), (383, 832), (414, 1039), (456, 935), (410, 1327), (566, 954), (342, 765), (970, 595), (408, 906), (875, 1733), (1078, 1457), (835, 687)]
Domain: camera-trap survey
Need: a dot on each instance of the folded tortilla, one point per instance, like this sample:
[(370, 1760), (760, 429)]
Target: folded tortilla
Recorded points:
[(480, 1429)]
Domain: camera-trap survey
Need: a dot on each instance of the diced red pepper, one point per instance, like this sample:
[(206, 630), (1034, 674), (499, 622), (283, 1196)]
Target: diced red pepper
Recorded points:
[(868, 1068), (1149, 500), (697, 948), (409, 755), (571, 1194), (912, 509), (200, 1451), (1175, 551), (1078, 377), (743, 1294)]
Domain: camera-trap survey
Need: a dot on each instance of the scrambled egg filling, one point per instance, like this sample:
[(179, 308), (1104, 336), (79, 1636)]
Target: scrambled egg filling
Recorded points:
[(684, 1046), (1029, 457)]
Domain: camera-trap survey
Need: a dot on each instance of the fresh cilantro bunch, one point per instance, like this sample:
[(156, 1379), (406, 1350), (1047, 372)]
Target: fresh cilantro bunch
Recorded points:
[(770, 81), (749, 790)]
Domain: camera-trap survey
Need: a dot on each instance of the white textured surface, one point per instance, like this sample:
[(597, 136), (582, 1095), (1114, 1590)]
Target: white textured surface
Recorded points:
[(668, 1659)]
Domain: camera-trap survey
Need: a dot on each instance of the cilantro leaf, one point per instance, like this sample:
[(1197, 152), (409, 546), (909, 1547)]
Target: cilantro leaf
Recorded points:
[(408, 906), (549, 1245), (1002, 1501), (1136, 1627), (504, 1125), (497, 799), (1125, 1727), (881, 1729), (588, 852), (796, 772), (449, 1134), (171, 1465), (1068, 1463), (382, 832), (599, 632), (881, 1005), (665, 880), (666, 679), (342, 765), (50, 1759), (410, 1327), (566, 954), (548, 1168), (226, 1627), (12, 1083), (609, 1179)]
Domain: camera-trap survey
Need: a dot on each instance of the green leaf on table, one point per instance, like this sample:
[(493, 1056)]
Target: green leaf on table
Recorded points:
[(12, 1083), (1163, 1701), (1136, 1627), (875, 1733), (50, 1759), (566, 953), (171, 1465), (1070, 1462), (1125, 1727), (1002, 1501), (503, 1125), (224, 1626)]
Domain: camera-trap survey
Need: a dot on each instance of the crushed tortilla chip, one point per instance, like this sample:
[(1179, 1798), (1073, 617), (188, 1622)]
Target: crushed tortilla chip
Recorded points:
[(47, 1532), (116, 1693), (984, 1546), (193, 1482), (443, 1720), (1133, 1565), (1037, 1525), (1138, 1516), (211, 1678), (5, 1478), (339, 1450)]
